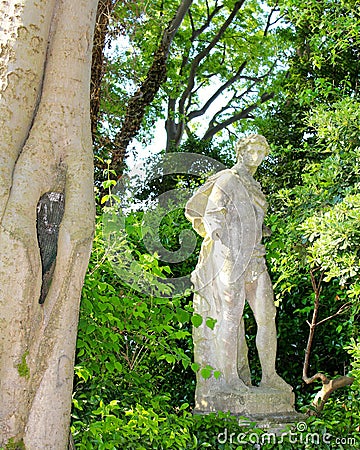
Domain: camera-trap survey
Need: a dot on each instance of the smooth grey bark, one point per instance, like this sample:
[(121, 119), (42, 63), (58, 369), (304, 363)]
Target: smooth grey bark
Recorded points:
[(45, 146)]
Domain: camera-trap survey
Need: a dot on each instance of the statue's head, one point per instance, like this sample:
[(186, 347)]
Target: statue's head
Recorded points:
[(251, 150)]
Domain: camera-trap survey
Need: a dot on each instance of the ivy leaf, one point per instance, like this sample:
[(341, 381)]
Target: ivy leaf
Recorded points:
[(210, 322), (196, 320), (195, 367), (206, 372)]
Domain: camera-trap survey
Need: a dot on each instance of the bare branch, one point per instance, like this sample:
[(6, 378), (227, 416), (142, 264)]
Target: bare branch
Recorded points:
[(317, 376), (219, 91), (316, 285), (327, 389), (341, 310), (328, 386), (200, 56), (244, 114)]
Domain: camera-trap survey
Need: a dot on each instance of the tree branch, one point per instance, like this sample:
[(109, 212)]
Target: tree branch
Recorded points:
[(342, 309), (219, 91), (174, 25), (149, 88), (327, 389), (210, 16), (328, 386), (212, 128), (229, 105), (317, 289), (268, 22), (245, 113), (200, 56), (196, 33)]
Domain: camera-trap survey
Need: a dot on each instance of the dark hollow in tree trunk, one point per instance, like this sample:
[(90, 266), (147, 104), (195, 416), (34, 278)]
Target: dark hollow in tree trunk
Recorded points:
[(50, 211)]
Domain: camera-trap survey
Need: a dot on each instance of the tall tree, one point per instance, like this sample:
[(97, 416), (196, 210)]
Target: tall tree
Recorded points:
[(46, 212), (229, 56), (217, 72)]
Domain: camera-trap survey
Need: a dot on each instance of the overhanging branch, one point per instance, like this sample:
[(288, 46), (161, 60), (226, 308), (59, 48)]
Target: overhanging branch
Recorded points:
[(218, 92), (204, 53)]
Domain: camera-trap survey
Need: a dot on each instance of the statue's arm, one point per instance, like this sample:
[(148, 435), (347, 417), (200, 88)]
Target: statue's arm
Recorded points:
[(206, 210), (195, 210), (214, 222)]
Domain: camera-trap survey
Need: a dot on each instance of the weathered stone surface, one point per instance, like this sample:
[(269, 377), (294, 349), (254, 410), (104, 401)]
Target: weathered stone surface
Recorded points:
[(251, 403), (228, 212)]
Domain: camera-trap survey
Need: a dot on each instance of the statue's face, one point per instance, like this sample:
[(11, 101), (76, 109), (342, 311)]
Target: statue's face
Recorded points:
[(254, 154)]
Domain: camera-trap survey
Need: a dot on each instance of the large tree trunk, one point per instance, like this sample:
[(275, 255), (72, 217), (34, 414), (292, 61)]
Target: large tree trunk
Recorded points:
[(45, 147)]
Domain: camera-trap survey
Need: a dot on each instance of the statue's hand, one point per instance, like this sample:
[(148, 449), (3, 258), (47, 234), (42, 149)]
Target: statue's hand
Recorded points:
[(199, 227)]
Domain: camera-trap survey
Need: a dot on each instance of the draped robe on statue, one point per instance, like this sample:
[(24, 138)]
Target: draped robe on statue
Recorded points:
[(228, 211)]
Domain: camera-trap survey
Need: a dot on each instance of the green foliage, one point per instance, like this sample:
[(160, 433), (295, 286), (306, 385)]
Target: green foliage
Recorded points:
[(244, 60), (11, 445), (141, 428), (23, 368), (133, 348), (354, 351), (135, 378), (136, 428)]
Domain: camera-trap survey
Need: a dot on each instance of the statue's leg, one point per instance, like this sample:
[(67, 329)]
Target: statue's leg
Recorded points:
[(218, 347), (227, 333), (260, 296), (242, 356)]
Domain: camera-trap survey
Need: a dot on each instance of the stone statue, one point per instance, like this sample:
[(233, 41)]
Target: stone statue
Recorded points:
[(228, 212)]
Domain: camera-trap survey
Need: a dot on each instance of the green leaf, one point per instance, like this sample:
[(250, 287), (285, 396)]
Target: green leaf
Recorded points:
[(182, 315), (90, 329), (195, 367), (108, 183), (184, 406), (206, 372), (196, 320), (211, 322), (217, 374)]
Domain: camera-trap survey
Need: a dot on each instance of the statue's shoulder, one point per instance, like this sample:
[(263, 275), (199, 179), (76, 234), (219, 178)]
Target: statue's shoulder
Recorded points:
[(221, 176)]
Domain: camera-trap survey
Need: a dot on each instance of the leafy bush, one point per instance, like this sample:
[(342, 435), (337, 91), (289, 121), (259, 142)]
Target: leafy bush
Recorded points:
[(134, 380), (133, 348)]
